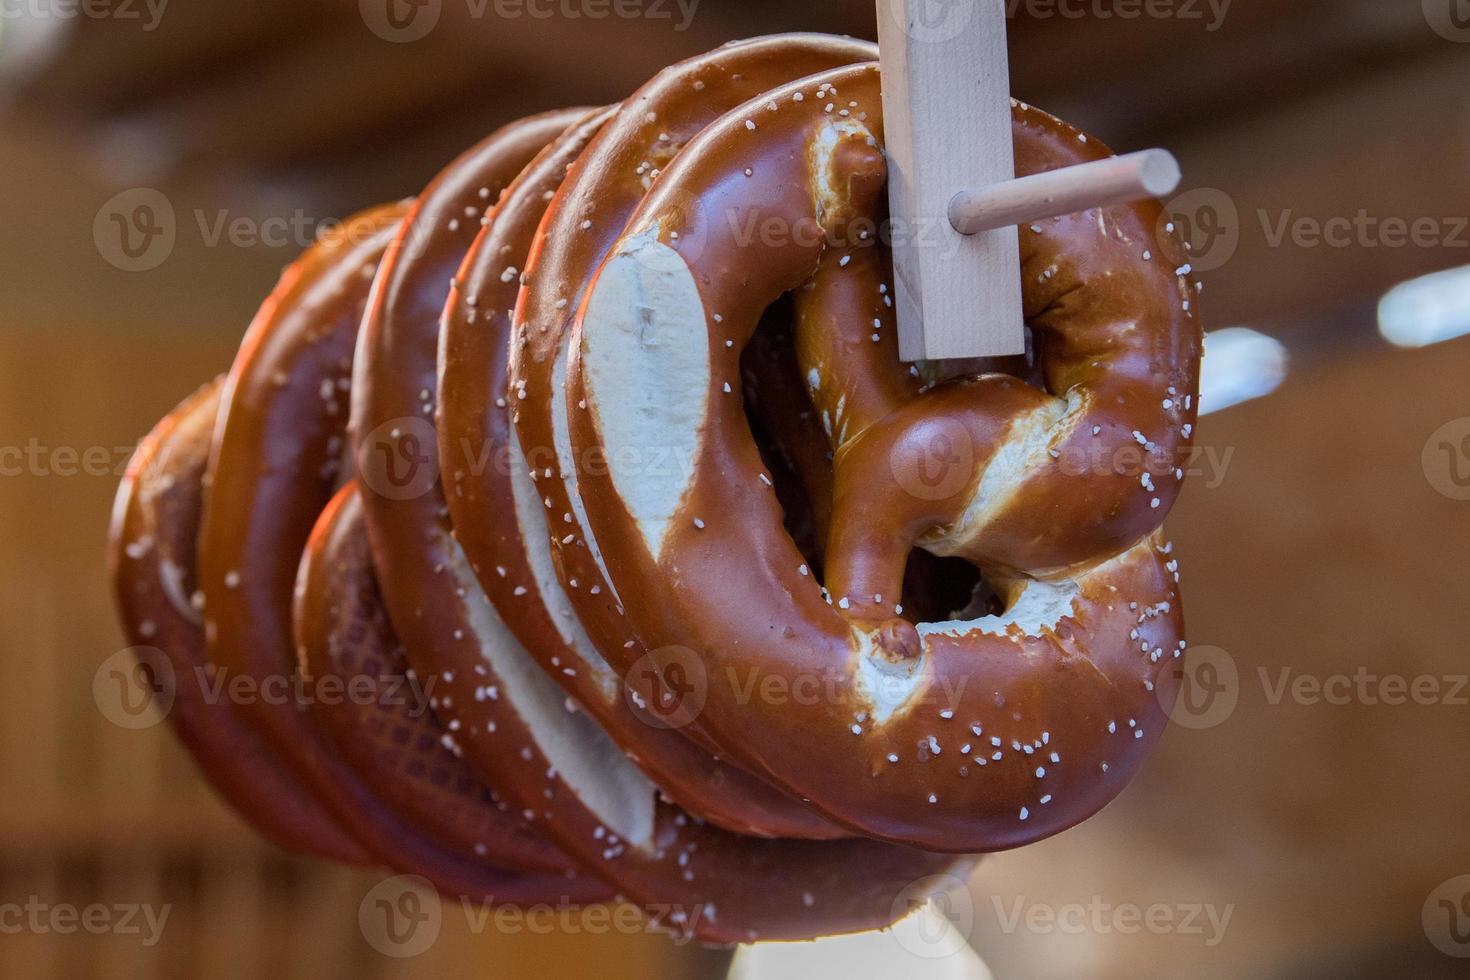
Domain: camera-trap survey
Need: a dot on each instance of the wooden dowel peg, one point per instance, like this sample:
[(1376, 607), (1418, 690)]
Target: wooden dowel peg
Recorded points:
[(953, 193), (1148, 173)]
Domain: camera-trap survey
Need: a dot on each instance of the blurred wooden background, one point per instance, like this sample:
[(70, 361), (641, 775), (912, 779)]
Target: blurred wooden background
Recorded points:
[(1323, 547)]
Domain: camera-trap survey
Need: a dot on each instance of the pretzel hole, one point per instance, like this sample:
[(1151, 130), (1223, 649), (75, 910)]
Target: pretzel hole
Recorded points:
[(938, 589), (934, 588)]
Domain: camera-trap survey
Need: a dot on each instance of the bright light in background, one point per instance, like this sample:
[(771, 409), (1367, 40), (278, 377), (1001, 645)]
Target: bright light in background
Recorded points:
[(29, 36), (1240, 364), (924, 946), (1426, 311)]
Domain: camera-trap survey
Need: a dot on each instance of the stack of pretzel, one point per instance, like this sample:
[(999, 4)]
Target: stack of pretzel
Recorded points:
[(603, 443)]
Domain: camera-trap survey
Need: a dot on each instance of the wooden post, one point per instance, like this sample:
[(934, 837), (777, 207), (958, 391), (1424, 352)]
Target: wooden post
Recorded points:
[(947, 120), (953, 193)]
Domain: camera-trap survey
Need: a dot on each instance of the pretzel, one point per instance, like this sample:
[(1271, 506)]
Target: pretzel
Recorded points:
[(342, 630), (274, 465), (151, 559), (567, 772), (651, 126), (859, 620), (968, 734), (394, 380)]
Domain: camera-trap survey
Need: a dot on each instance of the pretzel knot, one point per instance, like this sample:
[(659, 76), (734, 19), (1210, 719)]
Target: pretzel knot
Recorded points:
[(965, 729), (712, 602)]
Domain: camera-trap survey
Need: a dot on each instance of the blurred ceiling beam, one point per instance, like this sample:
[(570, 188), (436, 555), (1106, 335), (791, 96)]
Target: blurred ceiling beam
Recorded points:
[(1369, 150), (111, 64), (299, 99), (315, 99), (1152, 80)]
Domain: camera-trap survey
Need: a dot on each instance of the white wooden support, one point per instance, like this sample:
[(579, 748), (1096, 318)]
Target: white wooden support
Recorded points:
[(953, 194)]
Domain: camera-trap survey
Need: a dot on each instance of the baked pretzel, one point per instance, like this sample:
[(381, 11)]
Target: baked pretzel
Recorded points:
[(969, 734), (716, 604), (275, 459), (342, 632), (151, 559), (522, 578), (593, 803)]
